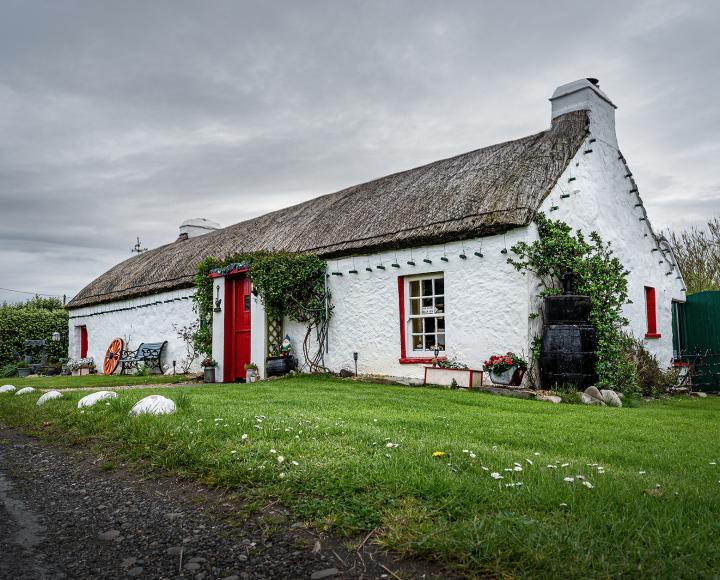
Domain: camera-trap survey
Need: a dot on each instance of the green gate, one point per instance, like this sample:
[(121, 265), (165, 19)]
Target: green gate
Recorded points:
[(696, 337)]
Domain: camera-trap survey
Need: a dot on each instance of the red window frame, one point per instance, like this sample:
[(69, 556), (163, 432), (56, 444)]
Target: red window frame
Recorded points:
[(404, 359), (651, 313)]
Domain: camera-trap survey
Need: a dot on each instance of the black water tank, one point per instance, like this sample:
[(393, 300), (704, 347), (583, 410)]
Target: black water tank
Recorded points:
[(567, 350)]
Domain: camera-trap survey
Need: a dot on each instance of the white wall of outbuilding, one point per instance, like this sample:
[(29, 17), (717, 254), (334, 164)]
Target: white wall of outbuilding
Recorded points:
[(153, 318)]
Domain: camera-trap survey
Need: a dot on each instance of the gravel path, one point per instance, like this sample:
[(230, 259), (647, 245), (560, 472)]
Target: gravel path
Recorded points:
[(63, 516)]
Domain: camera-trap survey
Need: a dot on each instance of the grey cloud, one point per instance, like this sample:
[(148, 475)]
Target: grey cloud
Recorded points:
[(123, 119)]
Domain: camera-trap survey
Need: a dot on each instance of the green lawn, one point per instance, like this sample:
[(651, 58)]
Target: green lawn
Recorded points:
[(99, 381), (654, 512)]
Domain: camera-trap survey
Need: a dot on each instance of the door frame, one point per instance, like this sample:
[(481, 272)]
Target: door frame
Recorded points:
[(229, 357)]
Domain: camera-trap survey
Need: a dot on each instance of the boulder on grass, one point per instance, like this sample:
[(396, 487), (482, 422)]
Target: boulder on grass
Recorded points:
[(153, 405), (611, 398), (592, 396), (93, 398), (49, 396), (7, 389), (25, 391), (549, 398)]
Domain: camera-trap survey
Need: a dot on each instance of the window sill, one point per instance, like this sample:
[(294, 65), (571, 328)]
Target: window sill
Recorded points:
[(653, 335), (420, 360)]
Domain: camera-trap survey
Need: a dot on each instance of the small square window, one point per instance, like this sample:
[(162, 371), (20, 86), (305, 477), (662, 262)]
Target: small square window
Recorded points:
[(426, 308)]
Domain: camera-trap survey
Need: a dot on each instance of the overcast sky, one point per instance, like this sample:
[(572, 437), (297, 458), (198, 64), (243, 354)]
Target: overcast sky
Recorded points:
[(122, 119)]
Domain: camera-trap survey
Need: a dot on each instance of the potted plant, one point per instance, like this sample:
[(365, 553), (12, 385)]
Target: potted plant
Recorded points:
[(506, 369), (79, 367), (208, 366), (23, 369), (251, 372), (281, 361)]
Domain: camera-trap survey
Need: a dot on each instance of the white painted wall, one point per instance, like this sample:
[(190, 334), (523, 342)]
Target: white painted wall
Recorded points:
[(486, 306), (147, 319), (600, 200)]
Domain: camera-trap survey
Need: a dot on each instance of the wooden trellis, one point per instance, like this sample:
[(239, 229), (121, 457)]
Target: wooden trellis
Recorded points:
[(274, 333)]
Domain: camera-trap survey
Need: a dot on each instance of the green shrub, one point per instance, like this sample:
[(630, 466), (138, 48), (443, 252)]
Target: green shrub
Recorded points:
[(652, 380), (35, 319), (8, 370)]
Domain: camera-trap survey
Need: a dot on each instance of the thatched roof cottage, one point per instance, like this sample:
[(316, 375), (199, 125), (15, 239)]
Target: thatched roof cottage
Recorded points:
[(477, 203)]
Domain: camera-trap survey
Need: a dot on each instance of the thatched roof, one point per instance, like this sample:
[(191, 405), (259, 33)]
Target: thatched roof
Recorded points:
[(483, 192)]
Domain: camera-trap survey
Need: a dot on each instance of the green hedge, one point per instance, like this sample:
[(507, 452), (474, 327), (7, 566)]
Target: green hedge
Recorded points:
[(36, 319)]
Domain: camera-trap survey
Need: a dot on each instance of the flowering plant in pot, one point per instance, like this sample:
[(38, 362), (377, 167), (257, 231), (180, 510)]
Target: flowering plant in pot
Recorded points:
[(506, 369), (251, 372)]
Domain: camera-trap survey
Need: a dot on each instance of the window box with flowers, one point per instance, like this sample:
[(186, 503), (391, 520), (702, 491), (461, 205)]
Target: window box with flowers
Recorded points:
[(506, 369), (453, 373), (79, 367)]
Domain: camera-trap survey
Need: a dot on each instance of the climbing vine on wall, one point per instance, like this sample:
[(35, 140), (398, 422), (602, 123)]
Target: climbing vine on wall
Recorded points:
[(288, 284), (597, 273)]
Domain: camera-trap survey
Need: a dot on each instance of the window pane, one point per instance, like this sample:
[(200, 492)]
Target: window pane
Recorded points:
[(430, 324), (440, 304), (439, 286), (427, 303), (415, 288), (415, 306), (427, 287), (441, 323), (417, 325), (417, 342), (429, 341), (441, 341)]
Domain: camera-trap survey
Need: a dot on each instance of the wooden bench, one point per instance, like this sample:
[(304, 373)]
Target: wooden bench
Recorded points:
[(148, 353)]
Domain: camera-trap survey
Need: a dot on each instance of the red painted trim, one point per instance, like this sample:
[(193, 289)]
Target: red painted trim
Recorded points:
[(678, 363), (650, 310), (425, 378), (230, 273), (470, 381), (401, 309), (424, 360)]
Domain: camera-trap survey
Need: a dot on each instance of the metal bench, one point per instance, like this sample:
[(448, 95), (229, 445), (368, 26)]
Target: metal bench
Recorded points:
[(148, 353)]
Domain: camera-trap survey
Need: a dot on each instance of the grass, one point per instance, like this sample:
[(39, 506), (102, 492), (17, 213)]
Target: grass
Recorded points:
[(661, 523), (66, 382)]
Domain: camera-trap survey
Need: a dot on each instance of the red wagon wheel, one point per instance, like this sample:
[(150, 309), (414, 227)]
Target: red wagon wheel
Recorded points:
[(112, 356)]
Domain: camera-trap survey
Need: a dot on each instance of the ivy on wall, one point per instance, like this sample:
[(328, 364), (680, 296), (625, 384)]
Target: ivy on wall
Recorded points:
[(597, 273), (35, 319), (288, 284)]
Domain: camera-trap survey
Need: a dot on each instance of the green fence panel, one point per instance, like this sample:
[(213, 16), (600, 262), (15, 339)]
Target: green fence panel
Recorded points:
[(698, 338)]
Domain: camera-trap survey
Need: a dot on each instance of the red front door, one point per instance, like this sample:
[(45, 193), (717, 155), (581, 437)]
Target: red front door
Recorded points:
[(237, 327)]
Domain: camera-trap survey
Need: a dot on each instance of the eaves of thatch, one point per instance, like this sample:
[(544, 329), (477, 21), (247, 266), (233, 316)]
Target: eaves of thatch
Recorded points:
[(483, 192)]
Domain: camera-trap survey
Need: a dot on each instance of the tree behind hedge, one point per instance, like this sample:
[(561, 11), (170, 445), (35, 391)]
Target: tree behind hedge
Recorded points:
[(35, 319)]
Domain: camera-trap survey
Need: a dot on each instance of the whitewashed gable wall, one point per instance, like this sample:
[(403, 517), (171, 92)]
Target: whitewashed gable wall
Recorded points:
[(145, 319)]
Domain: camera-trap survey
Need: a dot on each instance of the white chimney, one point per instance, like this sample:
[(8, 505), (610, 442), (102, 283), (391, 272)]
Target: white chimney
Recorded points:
[(585, 94), (195, 227)]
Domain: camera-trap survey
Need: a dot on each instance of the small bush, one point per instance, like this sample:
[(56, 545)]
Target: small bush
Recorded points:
[(652, 380), (8, 370)]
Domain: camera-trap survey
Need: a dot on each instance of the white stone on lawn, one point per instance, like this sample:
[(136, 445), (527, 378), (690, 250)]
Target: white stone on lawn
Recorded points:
[(49, 396), (7, 388), (153, 405), (611, 398), (91, 399), (25, 391)]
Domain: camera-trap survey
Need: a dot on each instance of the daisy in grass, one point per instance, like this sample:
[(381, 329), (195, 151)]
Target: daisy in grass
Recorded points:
[(496, 475), (569, 479)]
